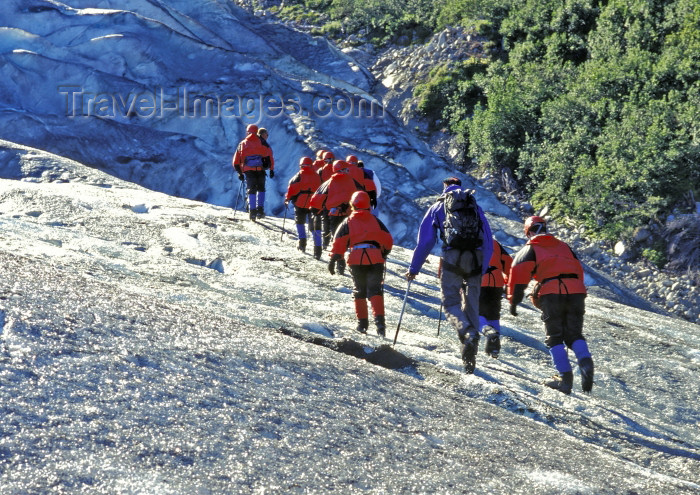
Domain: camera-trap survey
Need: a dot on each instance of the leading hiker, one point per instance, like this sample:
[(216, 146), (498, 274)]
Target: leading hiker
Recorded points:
[(253, 157), (369, 242), (466, 237), (560, 294)]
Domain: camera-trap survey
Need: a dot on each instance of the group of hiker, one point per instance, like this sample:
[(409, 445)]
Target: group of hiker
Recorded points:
[(336, 199)]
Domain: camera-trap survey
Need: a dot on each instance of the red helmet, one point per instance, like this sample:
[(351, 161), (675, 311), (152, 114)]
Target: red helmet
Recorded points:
[(320, 153), (339, 165), (351, 159), (360, 200), (306, 162), (252, 129), (328, 155), (536, 224)]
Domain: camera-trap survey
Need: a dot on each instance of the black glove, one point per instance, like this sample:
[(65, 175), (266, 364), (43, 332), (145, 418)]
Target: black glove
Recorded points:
[(240, 176), (272, 174), (513, 308), (331, 266)]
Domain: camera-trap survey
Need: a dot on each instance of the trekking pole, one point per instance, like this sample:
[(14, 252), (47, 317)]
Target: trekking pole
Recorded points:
[(402, 310), (439, 319), (286, 208), (235, 208)]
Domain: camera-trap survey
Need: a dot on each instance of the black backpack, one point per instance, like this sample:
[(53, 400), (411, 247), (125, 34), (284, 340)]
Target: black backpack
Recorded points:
[(462, 228)]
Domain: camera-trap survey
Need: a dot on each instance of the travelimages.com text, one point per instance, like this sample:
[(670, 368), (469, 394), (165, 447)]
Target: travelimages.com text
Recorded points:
[(181, 102)]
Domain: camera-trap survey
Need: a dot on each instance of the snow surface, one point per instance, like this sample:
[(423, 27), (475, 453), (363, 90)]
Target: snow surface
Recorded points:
[(151, 344)]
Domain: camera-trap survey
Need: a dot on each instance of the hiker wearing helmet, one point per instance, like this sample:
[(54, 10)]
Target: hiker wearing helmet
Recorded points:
[(332, 199), (374, 178), (560, 294), (466, 247), (326, 170), (366, 242), (363, 178), (251, 159), (299, 192), (319, 162), (492, 285)]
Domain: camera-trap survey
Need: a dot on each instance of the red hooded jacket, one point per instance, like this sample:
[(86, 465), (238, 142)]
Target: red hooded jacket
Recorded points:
[(334, 195), (499, 267), (551, 263), (302, 186), (250, 155), (367, 237)]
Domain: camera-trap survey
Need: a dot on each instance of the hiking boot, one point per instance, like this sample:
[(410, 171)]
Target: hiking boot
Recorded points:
[(562, 382), (585, 367), (381, 325), (318, 250), (470, 346), (301, 245), (362, 325), (493, 341), (261, 212), (252, 214)]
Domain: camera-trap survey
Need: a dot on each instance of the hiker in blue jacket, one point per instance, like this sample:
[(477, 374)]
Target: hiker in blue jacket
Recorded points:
[(460, 272)]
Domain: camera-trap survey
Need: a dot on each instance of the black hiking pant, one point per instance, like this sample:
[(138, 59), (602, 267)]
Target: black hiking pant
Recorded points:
[(562, 315), (367, 280), (490, 299), (255, 181)]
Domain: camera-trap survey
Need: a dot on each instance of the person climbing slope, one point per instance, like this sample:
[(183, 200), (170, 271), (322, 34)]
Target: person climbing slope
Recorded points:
[(251, 159), (299, 191), (332, 199), (369, 243), (466, 244), (490, 297), (560, 294)]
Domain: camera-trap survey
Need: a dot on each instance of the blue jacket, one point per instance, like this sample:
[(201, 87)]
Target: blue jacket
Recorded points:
[(431, 228)]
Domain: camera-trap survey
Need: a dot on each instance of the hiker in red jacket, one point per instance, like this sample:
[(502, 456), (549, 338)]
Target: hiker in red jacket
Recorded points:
[(364, 178), (490, 296), (319, 162), (327, 170), (560, 294), (369, 243), (301, 188), (252, 158), (332, 200)]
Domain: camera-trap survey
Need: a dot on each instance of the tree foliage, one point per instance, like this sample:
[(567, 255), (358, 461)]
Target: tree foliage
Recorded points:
[(594, 105), (595, 108)]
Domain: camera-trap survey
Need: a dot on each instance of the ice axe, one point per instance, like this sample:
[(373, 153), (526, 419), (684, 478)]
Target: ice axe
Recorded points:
[(408, 286)]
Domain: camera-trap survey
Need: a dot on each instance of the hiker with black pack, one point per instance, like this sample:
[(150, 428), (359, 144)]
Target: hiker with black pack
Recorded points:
[(466, 249), (560, 294)]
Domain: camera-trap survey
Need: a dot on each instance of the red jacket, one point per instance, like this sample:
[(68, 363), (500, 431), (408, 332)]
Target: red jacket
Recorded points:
[(318, 165), (551, 263), (302, 186), (366, 236), (326, 172), (334, 195), (499, 267), (251, 154)]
